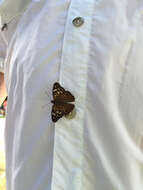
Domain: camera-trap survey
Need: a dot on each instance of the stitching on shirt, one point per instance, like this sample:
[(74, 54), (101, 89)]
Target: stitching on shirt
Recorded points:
[(137, 19), (125, 72)]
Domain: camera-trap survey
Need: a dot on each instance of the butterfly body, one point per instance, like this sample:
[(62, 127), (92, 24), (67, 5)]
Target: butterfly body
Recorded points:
[(58, 101), (61, 102)]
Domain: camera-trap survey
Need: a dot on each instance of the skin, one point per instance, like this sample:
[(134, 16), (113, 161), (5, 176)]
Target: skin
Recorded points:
[(3, 92)]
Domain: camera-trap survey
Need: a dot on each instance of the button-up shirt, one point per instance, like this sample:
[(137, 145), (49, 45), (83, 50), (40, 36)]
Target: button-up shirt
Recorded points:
[(93, 48)]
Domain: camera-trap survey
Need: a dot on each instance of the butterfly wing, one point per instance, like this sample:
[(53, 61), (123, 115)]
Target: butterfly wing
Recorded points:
[(60, 109), (61, 95)]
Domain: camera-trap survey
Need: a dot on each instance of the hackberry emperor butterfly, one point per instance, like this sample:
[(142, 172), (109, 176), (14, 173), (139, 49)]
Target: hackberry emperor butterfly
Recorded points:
[(61, 106)]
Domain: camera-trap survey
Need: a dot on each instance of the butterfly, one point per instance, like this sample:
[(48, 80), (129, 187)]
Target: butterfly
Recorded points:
[(61, 106)]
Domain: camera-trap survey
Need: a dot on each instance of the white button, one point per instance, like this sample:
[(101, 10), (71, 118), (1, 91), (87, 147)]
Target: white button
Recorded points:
[(78, 21)]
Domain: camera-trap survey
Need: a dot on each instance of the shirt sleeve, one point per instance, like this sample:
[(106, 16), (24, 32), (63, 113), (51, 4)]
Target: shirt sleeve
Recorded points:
[(1, 64), (2, 41), (10, 12), (2, 53)]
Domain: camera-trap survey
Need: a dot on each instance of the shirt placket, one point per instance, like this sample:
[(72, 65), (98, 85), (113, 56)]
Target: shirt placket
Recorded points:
[(69, 142)]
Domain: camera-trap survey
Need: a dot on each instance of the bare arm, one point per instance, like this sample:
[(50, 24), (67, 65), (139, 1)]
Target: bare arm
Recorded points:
[(3, 92)]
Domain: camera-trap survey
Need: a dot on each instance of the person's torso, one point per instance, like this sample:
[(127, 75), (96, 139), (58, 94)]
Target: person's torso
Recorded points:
[(100, 62)]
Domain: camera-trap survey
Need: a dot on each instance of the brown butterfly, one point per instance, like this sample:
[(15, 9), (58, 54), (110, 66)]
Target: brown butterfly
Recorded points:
[(61, 106)]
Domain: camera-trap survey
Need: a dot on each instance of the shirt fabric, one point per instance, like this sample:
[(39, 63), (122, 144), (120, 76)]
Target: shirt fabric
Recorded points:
[(100, 63)]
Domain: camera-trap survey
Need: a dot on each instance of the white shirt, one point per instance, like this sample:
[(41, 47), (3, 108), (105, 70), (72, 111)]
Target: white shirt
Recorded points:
[(101, 64)]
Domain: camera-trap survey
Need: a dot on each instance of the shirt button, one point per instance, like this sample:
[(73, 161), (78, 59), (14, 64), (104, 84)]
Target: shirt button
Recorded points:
[(72, 114), (78, 21)]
